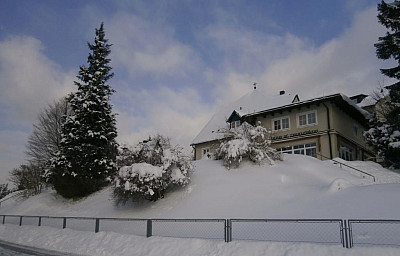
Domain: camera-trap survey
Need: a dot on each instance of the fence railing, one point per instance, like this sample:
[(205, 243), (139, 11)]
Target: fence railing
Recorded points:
[(374, 232), (326, 231), (348, 166)]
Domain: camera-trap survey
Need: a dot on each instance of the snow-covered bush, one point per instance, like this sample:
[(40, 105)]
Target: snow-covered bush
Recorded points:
[(386, 141), (247, 141), (151, 168)]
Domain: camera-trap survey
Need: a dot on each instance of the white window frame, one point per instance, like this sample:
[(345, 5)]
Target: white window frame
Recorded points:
[(307, 121), (280, 122), (235, 124), (205, 151), (300, 149)]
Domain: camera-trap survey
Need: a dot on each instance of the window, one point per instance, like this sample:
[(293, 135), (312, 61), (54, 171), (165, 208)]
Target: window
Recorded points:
[(281, 123), (235, 124), (309, 149), (346, 153), (307, 118), (355, 130), (205, 152)]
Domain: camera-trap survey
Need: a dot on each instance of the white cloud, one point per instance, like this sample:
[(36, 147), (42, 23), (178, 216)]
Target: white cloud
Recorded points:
[(28, 82), (346, 64), (179, 114), (28, 79), (142, 47), (11, 152)]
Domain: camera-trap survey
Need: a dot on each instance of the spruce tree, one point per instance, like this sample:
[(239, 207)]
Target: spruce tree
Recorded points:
[(385, 135), (86, 161)]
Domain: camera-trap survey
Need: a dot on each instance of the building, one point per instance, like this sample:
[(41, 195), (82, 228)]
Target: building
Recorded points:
[(324, 127)]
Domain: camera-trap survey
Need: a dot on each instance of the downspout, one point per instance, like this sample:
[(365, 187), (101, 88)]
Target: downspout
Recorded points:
[(329, 129), (194, 150)]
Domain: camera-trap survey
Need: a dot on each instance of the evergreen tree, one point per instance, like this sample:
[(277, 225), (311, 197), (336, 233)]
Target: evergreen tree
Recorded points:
[(384, 134), (86, 161)]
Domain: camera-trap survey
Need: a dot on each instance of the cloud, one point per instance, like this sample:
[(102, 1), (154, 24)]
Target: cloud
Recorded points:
[(11, 148), (250, 51), (178, 114), (346, 64), (144, 48), (28, 80)]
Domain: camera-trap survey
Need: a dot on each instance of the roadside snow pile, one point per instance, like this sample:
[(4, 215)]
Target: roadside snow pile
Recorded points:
[(109, 243)]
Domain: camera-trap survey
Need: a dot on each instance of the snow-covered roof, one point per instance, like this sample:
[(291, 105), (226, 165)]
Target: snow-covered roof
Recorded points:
[(367, 101), (253, 102), (257, 102)]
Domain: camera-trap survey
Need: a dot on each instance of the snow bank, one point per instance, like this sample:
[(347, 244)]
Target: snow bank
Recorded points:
[(108, 243), (298, 187)]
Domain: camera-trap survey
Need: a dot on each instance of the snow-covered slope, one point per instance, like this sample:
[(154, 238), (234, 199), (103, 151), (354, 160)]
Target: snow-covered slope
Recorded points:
[(298, 187)]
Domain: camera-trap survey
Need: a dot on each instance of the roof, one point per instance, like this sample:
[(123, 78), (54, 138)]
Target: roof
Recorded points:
[(337, 97), (367, 101), (253, 102), (258, 102)]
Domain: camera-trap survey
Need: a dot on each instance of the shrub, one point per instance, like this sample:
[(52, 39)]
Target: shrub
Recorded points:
[(151, 168), (247, 141)]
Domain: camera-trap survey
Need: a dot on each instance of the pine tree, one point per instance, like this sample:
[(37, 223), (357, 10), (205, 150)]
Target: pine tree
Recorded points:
[(384, 135), (86, 161)]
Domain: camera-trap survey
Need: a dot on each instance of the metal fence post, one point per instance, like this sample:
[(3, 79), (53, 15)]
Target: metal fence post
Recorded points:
[(97, 227), (346, 235), (345, 239), (4, 219), (342, 228), (20, 220), (226, 231), (40, 221), (229, 230), (149, 232), (64, 222), (350, 234)]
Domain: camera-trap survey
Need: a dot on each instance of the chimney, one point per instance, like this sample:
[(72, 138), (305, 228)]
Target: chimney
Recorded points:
[(281, 92)]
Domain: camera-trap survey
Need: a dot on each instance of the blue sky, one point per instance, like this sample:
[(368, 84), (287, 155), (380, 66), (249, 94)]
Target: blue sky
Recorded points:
[(177, 62)]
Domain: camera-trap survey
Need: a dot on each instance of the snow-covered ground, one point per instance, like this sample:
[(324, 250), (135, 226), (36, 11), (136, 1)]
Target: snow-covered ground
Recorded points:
[(298, 187)]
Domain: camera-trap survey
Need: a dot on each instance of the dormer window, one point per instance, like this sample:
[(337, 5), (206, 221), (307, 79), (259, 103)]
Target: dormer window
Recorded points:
[(234, 119), (235, 124)]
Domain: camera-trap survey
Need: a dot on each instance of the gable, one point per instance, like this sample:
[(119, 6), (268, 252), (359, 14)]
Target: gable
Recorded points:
[(233, 117)]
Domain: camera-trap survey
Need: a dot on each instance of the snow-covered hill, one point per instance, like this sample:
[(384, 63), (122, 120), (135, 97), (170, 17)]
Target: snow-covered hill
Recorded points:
[(298, 187)]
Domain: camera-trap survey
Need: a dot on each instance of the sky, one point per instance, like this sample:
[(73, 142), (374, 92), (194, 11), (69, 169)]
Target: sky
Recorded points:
[(177, 61)]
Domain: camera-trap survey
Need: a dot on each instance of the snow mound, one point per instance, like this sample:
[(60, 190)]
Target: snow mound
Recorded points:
[(298, 187), (339, 184)]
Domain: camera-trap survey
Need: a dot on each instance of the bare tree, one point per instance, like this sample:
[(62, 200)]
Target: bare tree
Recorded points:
[(27, 179), (45, 139)]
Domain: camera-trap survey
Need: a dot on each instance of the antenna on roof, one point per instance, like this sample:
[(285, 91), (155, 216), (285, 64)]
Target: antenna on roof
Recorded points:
[(255, 85)]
